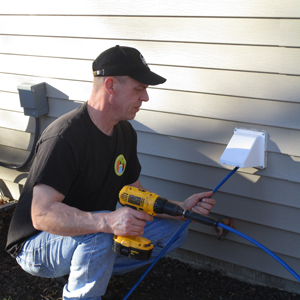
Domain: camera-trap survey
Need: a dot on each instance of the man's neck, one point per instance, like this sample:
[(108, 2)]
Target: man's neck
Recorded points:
[(101, 119)]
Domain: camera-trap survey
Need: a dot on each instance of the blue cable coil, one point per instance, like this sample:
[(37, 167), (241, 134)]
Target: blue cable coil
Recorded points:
[(222, 226)]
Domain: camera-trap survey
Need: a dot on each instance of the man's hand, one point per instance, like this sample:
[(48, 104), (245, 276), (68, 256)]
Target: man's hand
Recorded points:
[(126, 221), (200, 203)]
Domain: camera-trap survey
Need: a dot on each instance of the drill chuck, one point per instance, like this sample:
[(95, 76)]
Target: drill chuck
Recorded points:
[(193, 216), (164, 206)]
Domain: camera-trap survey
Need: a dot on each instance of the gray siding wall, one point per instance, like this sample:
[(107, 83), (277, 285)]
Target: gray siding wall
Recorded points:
[(228, 64)]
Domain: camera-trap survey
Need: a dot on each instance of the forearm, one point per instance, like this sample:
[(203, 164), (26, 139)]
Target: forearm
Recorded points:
[(50, 214), (61, 219)]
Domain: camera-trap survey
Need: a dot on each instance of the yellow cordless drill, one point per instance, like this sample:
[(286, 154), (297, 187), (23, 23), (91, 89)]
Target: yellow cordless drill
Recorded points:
[(139, 247)]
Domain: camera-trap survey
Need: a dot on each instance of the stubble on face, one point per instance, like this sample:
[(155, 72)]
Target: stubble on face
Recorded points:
[(131, 94)]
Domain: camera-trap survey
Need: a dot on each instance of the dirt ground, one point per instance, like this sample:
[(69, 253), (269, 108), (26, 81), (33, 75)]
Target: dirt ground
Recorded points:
[(169, 279)]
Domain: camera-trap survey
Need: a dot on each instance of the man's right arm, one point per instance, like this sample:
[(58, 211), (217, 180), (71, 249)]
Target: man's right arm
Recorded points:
[(49, 214)]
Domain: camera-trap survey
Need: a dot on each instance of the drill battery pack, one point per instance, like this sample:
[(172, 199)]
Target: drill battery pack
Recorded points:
[(138, 248)]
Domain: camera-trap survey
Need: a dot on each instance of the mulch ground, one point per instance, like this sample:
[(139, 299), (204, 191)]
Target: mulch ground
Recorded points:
[(169, 279)]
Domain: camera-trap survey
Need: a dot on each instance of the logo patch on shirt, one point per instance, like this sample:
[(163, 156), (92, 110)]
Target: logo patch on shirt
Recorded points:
[(120, 165)]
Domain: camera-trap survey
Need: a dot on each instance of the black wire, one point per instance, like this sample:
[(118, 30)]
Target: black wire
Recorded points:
[(28, 160)]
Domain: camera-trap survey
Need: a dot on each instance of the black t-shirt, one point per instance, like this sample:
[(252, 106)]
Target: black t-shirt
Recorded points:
[(88, 167)]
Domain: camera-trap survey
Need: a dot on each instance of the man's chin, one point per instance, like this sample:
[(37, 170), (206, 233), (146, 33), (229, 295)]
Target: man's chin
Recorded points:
[(130, 117)]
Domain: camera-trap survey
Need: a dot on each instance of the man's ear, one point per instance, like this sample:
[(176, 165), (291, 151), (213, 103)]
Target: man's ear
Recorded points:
[(109, 85)]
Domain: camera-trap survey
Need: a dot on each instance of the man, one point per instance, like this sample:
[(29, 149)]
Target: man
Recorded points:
[(66, 216)]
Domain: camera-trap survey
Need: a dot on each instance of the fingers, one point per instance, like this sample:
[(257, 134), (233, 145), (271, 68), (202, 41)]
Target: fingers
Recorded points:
[(131, 222), (139, 222), (141, 215), (204, 204), (210, 201), (202, 208), (206, 194), (200, 203)]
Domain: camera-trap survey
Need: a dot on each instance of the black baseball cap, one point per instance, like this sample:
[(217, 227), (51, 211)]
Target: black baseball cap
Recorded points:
[(125, 61)]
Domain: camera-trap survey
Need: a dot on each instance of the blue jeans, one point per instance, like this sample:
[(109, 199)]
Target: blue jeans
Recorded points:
[(89, 259)]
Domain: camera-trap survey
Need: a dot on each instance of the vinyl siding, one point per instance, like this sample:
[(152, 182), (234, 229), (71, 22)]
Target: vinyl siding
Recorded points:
[(228, 64)]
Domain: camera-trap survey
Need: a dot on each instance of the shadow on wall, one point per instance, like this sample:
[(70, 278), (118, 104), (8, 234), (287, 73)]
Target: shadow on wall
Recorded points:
[(22, 142), (190, 166)]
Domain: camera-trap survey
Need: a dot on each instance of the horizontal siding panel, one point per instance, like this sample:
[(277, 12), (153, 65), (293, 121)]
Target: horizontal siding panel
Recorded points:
[(276, 32), (216, 131), (251, 211), (241, 255), (15, 120), (246, 185), (16, 139), (270, 113), (13, 175), (267, 236), (275, 215), (255, 111), (206, 130), (14, 157), (55, 88), (230, 57), (202, 129), (254, 85), (57, 107), (244, 8), (19, 122), (243, 84), (10, 101), (278, 165), (47, 67)]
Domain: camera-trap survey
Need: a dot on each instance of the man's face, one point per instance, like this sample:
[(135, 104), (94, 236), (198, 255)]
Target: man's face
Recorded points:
[(128, 98)]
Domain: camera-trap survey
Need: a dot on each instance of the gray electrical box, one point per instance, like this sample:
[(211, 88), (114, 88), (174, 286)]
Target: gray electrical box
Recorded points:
[(33, 99)]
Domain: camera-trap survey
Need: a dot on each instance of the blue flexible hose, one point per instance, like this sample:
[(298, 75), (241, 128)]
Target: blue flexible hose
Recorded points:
[(222, 226), (174, 238), (262, 247), (225, 179)]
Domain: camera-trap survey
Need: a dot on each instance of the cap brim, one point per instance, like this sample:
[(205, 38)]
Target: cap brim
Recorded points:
[(149, 78)]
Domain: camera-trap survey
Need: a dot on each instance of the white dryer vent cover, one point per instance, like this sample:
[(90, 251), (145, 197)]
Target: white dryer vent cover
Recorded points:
[(247, 148)]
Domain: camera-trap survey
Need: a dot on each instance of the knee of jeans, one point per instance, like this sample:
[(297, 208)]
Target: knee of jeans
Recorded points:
[(34, 269)]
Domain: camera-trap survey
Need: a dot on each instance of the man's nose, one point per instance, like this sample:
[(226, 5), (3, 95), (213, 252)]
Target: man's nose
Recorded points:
[(144, 95)]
